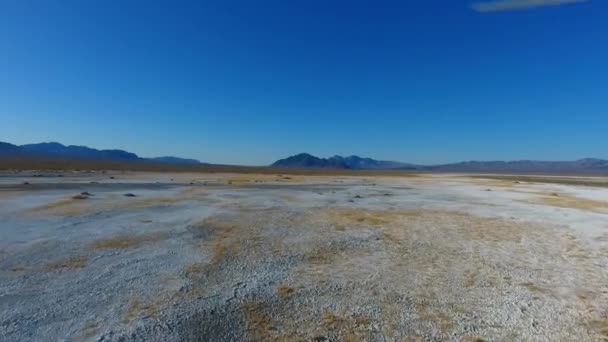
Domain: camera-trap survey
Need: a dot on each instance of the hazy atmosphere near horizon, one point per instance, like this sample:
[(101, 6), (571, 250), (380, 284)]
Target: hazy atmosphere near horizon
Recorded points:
[(248, 82)]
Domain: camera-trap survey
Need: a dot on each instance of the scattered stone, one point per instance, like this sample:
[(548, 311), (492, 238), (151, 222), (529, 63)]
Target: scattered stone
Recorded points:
[(358, 196), (555, 194), (86, 193), (112, 177), (129, 195), (80, 197), (26, 183)]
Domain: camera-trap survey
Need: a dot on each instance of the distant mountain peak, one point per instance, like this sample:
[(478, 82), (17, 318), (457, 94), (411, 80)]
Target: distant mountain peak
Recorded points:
[(306, 160), (55, 150)]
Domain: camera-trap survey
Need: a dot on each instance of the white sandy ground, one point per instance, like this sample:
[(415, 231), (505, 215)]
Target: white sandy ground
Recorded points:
[(229, 257)]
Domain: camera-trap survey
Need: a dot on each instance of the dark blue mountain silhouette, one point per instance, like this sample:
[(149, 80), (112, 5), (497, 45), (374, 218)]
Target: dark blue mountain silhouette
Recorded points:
[(56, 150), (586, 165)]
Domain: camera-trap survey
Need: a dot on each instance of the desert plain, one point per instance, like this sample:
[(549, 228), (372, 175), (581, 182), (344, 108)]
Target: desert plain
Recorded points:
[(144, 256)]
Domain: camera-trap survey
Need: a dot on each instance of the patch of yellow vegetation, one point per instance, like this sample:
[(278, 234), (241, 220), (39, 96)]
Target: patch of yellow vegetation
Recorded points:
[(217, 233), (535, 288), (243, 179), (62, 207), (73, 262), (472, 339), (284, 292), (343, 218), (601, 326), (88, 331), (258, 323), (213, 226), (569, 201), (394, 223), (439, 319), (127, 241), (195, 190), (136, 308), (145, 202), (73, 206)]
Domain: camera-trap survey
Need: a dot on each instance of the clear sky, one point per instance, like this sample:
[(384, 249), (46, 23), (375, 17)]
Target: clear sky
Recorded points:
[(251, 81)]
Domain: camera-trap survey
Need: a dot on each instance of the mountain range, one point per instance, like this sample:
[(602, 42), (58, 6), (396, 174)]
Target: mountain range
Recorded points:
[(54, 150), (305, 160), (581, 166)]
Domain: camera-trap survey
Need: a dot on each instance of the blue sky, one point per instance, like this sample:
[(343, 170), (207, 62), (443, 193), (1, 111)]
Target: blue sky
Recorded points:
[(248, 82)]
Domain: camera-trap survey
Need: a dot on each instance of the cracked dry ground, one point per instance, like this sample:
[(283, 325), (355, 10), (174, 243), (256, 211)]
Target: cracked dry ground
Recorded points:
[(363, 275), (326, 259)]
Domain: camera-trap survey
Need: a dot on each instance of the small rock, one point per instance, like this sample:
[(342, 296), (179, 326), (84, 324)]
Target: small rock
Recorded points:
[(80, 197), (26, 183), (129, 195), (86, 193), (358, 196)]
